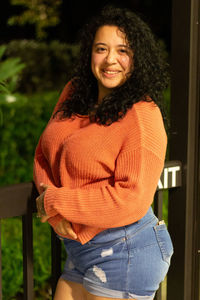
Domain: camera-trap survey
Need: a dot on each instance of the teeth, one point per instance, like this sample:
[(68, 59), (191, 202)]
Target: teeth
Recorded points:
[(111, 72)]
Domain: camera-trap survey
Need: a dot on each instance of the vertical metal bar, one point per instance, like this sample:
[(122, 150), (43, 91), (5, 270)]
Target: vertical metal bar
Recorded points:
[(27, 229), (198, 296), (158, 204), (0, 266), (178, 142), (55, 260), (184, 146), (192, 216)]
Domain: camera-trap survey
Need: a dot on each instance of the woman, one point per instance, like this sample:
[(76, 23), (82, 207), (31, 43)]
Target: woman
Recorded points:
[(99, 160)]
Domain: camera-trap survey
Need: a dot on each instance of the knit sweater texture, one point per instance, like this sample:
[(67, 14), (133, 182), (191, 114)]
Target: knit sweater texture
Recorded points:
[(100, 176)]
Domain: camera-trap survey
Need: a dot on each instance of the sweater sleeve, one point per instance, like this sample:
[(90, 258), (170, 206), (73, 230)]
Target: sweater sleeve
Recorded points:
[(41, 169), (138, 169)]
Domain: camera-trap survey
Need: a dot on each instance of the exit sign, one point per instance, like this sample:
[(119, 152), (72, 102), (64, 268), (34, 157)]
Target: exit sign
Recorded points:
[(171, 175)]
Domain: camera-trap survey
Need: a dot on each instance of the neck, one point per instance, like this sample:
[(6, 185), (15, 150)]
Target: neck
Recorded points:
[(103, 93)]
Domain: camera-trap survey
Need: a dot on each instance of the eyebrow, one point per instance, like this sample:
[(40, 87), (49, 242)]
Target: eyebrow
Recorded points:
[(120, 45)]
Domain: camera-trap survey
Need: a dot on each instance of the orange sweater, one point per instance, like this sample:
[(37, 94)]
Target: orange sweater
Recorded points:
[(101, 176)]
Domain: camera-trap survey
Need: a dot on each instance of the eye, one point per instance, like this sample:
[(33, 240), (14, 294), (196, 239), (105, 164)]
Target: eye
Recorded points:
[(100, 49), (123, 51)]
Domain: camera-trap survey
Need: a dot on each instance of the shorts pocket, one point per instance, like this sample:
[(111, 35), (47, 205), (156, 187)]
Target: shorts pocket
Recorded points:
[(164, 241)]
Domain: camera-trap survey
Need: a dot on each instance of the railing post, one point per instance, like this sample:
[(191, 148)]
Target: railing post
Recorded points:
[(27, 229), (55, 260), (158, 204), (0, 266)]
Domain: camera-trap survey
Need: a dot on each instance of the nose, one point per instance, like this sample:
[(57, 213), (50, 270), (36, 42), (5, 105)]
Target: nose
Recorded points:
[(111, 57)]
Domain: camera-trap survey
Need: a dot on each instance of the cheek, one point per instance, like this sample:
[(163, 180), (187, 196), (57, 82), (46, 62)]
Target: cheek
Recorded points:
[(96, 60), (126, 63)]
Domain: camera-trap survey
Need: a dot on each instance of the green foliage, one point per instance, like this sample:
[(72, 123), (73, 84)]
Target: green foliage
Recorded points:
[(9, 72), (11, 257), (42, 14), (9, 68), (48, 66), (12, 261), (25, 116), (42, 259), (23, 123)]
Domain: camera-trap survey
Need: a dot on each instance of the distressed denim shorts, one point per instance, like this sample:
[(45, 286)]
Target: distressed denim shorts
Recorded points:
[(125, 262)]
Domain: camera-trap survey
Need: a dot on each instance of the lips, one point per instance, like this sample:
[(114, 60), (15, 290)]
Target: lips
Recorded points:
[(110, 73)]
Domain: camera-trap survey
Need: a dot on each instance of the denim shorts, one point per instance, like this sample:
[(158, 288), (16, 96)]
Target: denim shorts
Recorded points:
[(125, 262)]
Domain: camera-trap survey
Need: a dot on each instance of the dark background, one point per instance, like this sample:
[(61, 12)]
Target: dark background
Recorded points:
[(74, 13)]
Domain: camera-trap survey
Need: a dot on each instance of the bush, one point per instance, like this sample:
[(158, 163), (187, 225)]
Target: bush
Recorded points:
[(24, 118), (12, 276), (9, 72), (48, 66), (12, 261)]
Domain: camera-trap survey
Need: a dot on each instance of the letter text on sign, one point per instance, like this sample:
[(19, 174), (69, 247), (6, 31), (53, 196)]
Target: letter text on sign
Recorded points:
[(171, 176)]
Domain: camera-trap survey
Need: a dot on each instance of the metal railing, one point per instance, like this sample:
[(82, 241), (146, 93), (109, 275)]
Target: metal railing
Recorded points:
[(19, 200)]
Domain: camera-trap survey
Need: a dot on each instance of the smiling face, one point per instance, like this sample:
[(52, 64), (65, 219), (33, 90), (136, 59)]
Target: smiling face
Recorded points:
[(112, 59)]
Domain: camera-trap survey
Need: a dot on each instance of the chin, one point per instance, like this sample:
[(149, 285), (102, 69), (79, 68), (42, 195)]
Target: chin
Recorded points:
[(111, 85)]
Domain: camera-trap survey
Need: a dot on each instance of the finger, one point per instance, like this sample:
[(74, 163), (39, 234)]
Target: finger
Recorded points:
[(67, 226), (63, 229), (37, 202), (37, 199), (60, 229), (44, 219), (44, 186)]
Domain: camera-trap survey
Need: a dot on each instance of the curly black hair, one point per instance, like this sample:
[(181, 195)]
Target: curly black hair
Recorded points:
[(147, 81)]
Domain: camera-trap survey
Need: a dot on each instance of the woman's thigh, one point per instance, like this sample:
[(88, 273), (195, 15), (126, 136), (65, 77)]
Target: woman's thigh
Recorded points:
[(93, 297), (68, 290)]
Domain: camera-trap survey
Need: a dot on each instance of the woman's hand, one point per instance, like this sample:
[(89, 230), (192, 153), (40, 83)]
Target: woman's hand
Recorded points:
[(63, 227), (40, 203)]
